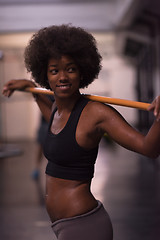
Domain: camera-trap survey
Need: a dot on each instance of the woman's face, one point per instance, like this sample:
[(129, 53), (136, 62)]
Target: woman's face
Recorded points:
[(63, 76)]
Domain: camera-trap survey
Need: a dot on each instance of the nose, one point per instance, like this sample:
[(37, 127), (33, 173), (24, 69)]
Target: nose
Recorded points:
[(63, 76)]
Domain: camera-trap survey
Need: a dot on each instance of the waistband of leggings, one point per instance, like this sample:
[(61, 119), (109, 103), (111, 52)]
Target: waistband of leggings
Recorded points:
[(96, 209)]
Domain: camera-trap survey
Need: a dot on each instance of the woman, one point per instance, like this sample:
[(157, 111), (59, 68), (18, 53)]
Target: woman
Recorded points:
[(65, 59)]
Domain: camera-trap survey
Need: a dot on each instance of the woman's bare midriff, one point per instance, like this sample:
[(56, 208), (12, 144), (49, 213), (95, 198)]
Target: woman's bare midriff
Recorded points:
[(68, 198)]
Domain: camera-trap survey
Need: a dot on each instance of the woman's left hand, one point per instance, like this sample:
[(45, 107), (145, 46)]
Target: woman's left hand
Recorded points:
[(155, 107)]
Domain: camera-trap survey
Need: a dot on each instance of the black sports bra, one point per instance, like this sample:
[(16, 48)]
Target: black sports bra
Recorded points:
[(66, 159)]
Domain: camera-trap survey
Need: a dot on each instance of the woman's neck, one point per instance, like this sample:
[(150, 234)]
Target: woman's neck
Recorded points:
[(66, 104)]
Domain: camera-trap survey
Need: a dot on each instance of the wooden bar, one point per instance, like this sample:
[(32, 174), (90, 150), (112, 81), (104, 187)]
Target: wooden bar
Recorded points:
[(109, 100)]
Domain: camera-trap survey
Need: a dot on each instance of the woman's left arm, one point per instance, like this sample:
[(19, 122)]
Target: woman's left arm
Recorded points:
[(125, 135)]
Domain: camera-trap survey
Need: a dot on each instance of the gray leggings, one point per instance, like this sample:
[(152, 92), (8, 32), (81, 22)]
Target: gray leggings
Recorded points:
[(94, 225)]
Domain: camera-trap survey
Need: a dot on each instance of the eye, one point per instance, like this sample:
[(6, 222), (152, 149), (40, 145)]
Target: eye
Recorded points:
[(72, 69), (53, 71)]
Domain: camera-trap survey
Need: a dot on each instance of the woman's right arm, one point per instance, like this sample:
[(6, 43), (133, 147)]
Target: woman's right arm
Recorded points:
[(43, 102)]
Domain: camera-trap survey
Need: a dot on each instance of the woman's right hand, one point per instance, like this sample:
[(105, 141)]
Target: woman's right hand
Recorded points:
[(13, 85)]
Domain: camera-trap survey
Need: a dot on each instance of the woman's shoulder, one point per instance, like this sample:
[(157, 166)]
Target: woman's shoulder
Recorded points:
[(99, 107), (101, 111)]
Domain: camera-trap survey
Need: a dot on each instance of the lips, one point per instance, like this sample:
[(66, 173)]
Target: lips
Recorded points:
[(64, 86)]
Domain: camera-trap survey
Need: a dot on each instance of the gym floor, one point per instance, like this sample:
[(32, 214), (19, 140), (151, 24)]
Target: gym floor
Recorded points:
[(127, 183)]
